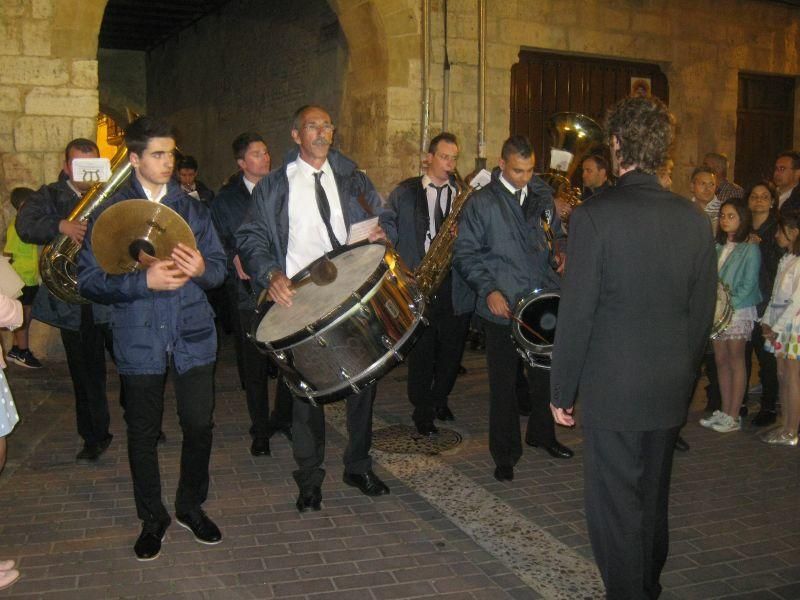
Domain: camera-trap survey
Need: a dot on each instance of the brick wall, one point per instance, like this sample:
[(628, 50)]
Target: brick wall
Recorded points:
[(247, 68)]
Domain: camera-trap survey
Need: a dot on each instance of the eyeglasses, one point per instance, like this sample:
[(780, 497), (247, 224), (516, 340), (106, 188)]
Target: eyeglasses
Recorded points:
[(323, 127), (760, 197), (729, 216), (447, 157)]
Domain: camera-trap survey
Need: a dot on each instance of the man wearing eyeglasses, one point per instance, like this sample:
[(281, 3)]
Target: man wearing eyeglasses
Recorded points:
[(787, 180), (289, 227), (421, 205)]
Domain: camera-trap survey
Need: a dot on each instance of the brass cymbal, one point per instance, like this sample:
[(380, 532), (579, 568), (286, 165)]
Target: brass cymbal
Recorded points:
[(125, 228)]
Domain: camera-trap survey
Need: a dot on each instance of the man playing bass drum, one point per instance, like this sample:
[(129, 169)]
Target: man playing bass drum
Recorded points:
[(503, 252)]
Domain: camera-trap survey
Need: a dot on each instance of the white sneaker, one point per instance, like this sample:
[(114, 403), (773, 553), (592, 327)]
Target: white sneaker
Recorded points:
[(726, 424), (709, 422)]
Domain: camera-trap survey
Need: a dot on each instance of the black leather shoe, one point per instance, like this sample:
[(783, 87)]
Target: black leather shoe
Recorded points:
[(260, 446), (681, 444), (555, 449), (427, 428), (203, 528), (764, 417), (504, 473), (443, 413), (369, 483), (309, 499), (148, 544), (91, 452)]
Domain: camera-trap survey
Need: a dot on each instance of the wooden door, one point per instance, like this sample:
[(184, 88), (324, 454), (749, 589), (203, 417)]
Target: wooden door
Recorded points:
[(543, 84), (764, 124)]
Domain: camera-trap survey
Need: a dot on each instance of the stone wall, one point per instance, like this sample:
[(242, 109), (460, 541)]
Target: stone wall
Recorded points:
[(247, 68), (701, 47), (48, 95)]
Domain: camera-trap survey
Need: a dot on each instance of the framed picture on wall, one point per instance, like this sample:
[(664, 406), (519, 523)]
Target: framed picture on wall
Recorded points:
[(641, 86)]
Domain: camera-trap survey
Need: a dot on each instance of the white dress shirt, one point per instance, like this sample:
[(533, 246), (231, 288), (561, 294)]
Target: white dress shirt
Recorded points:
[(430, 194), (308, 237), (514, 190)]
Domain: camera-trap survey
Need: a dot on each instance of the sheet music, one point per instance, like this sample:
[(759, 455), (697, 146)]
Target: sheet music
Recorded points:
[(361, 230)]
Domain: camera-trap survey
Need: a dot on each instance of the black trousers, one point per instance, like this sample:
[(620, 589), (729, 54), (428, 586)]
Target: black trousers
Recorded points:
[(503, 363), (194, 392), (255, 377), (767, 368), (308, 438), (626, 488), (86, 360), (433, 362)]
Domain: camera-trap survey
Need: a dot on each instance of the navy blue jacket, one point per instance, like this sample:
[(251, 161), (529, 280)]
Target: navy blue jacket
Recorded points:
[(228, 211), (147, 324), (37, 223), (263, 238), (409, 205), (501, 248)]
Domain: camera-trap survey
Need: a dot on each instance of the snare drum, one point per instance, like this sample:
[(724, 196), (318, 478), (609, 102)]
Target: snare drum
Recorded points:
[(337, 339), (539, 311)]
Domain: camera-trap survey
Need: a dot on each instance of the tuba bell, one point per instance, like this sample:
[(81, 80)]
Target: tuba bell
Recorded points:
[(572, 136)]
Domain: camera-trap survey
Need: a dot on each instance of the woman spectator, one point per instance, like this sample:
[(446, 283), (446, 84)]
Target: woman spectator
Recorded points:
[(738, 263), (781, 325), (10, 316), (762, 199)]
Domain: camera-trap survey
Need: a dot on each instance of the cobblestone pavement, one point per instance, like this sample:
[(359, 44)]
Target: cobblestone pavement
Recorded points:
[(448, 529)]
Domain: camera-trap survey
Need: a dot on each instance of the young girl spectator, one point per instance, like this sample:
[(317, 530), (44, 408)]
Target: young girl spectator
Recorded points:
[(781, 325), (739, 263), (10, 316)]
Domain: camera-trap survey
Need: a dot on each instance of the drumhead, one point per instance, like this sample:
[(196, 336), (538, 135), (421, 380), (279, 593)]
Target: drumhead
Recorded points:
[(313, 302)]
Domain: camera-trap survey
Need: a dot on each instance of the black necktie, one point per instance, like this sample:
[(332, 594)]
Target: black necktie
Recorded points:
[(324, 208), (438, 214)]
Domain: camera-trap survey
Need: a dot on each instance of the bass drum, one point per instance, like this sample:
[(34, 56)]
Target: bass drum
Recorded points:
[(337, 339), (534, 340)]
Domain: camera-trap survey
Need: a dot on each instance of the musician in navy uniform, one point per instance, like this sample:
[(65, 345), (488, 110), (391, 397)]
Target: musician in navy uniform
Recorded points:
[(503, 252), (300, 212), (421, 204)]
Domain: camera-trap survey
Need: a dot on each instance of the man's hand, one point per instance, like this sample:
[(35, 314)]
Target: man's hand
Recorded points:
[(280, 290), (563, 416), (563, 207), (237, 263), (188, 260), (561, 261), (164, 276), (74, 230), (376, 234), (498, 305)]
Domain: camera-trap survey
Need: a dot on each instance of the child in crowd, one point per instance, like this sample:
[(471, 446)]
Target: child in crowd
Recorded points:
[(738, 263), (781, 325), (25, 261), (10, 316)]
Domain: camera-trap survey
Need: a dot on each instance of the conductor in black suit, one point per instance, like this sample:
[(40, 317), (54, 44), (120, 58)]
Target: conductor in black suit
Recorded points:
[(636, 308)]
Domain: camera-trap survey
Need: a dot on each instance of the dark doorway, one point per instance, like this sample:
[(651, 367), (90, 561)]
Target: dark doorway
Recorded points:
[(543, 84), (764, 124)]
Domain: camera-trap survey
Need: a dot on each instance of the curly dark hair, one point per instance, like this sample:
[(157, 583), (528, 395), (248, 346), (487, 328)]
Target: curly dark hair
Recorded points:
[(745, 221), (644, 128)]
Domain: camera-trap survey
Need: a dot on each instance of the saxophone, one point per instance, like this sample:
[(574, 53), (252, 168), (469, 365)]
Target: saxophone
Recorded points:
[(435, 265), (57, 263)]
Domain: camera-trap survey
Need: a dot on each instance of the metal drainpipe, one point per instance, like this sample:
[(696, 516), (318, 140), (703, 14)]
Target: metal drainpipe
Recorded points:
[(480, 160), (426, 70), (446, 83)]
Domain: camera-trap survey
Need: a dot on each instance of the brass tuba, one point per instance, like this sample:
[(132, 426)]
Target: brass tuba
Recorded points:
[(572, 135), (434, 266), (57, 263)]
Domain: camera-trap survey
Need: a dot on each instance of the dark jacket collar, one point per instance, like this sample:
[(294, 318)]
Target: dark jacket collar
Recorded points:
[(637, 177)]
